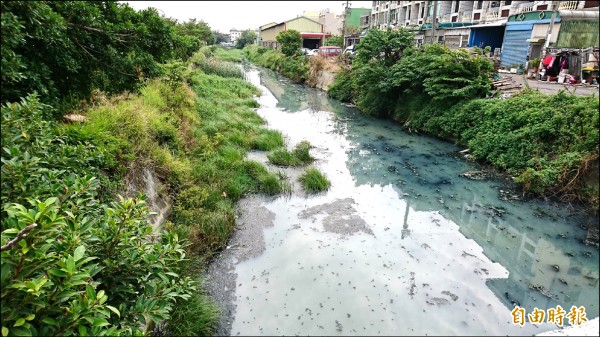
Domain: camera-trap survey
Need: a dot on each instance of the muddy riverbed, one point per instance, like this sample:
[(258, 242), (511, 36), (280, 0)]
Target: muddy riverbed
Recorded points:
[(404, 243)]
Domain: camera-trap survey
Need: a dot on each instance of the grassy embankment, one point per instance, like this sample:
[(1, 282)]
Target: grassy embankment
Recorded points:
[(194, 135)]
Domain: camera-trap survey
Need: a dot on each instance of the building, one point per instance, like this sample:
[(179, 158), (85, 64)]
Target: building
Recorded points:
[(466, 23), (312, 32), (332, 23), (355, 18), (528, 32), (234, 35)]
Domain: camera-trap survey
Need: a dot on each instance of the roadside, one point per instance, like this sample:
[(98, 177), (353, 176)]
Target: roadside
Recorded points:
[(552, 87)]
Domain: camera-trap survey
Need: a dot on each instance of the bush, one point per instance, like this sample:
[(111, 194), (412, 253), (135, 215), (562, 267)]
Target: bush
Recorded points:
[(314, 181), (290, 41), (342, 88), (87, 265), (546, 141)]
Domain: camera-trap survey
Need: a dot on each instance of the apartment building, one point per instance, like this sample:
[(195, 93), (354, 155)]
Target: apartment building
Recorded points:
[(461, 23), (234, 35)]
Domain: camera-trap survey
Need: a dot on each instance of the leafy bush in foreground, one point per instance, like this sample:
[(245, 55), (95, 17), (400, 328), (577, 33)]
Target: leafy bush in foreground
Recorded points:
[(85, 266)]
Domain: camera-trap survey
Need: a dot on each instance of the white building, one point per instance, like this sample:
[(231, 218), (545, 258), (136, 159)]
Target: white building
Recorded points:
[(234, 35)]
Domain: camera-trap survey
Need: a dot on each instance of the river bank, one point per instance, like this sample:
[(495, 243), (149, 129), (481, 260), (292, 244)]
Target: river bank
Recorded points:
[(548, 144)]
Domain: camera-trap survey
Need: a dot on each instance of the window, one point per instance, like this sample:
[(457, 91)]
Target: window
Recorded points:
[(479, 4), (507, 3), (456, 4)]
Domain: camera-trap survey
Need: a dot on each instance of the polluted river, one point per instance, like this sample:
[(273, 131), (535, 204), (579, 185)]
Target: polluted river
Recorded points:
[(411, 238)]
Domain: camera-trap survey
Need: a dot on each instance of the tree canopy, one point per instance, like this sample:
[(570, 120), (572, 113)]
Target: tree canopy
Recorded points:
[(291, 41), (64, 49), (247, 37)]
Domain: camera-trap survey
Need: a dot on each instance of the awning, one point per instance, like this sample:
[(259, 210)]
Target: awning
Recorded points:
[(491, 24), (580, 15), (314, 35)]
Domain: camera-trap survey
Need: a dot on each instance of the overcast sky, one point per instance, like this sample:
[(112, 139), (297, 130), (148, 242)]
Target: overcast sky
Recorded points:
[(225, 15)]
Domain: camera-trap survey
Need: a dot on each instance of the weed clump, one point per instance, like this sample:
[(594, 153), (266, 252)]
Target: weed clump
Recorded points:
[(297, 157), (314, 181)]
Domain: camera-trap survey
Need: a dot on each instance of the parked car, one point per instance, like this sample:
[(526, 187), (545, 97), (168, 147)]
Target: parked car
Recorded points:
[(330, 51), (305, 51), (312, 52), (349, 52)]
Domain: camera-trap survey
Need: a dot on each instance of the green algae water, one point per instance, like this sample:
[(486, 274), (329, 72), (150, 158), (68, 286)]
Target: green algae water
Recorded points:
[(402, 243)]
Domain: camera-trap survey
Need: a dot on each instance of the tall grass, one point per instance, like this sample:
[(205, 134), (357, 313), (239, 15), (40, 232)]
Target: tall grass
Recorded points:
[(214, 66), (195, 137), (298, 157)]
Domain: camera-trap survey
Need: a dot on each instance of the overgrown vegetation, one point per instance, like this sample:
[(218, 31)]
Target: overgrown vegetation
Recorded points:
[(290, 41), (247, 37), (297, 157), (77, 259), (548, 143), (314, 181), (63, 50), (88, 265), (294, 67), (216, 62)]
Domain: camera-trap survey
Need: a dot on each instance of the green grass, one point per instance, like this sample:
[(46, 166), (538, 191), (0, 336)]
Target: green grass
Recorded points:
[(215, 66), (195, 317), (297, 157), (314, 181), (229, 55)]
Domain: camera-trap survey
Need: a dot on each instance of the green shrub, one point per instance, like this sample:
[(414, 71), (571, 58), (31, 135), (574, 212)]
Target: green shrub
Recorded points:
[(341, 89), (290, 41), (314, 181), (88, 265)]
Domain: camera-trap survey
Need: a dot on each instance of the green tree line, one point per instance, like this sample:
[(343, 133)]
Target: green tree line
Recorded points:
[(63, 50)]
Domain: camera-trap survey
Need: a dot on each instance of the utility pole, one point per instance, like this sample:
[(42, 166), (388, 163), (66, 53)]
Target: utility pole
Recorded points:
[(434, 23), (555, 5), (344, 24)]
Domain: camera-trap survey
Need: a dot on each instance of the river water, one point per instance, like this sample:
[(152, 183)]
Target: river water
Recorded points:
[(401, 244)]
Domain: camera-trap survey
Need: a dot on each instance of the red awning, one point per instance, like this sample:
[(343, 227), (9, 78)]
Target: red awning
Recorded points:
[(314, 35)]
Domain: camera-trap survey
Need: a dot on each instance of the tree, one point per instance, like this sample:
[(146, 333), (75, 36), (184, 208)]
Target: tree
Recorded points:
[(220, 37), (64, 49), (335, 40), (198, 29), (247, 37), (385, 46), (290, 41)]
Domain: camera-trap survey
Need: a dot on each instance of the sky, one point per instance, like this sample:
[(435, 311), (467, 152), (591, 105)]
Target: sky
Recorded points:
[(224, 15)]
